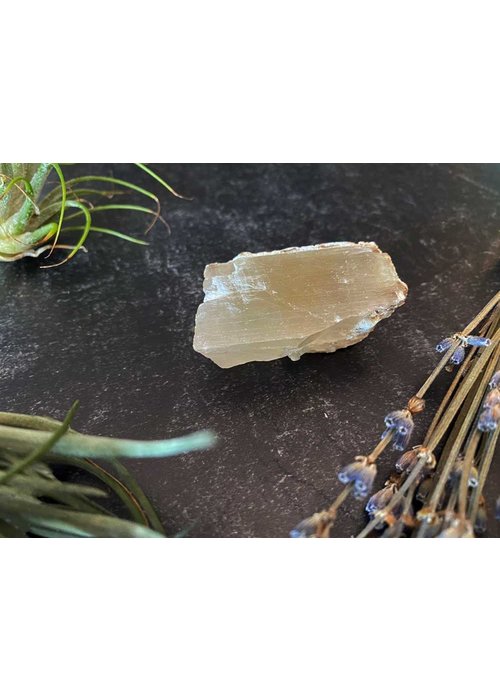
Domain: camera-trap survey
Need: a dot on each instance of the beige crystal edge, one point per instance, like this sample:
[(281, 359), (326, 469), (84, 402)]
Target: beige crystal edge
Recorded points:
[(361, 330)]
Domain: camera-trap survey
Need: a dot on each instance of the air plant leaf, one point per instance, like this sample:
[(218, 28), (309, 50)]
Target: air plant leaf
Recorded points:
[(89, 446), (35, 501), (32, 220)]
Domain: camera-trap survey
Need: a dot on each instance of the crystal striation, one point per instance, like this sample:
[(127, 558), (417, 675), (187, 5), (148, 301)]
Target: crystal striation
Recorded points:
[(318, 298)]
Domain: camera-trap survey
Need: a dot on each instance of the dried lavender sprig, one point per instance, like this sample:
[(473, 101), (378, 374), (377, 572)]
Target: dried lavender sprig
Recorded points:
[(400, 424), (437, 370), (458, 355), (477, 341), (466, 472), (485, 465), (458, 436), (422, 461), (470, 449), (320, 524), (467, 398), (380, 447), (361, 473), (451, 412), (462, 392), (391, 433), (489, 417), (465, 332), (397, 528), (451, 389), (450, 350), (380, 499)]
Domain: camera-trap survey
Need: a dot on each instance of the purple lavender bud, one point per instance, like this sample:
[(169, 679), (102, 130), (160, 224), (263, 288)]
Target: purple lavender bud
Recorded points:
[(458, 356), (401, 441), (406, 462), (495, 380), (361, 474), (401, 422), (394, 419), (308, 527), (385, 433), (348, 473), (488, 420), (473, 478), (364, 481), (444, 344), (379, 500), (477, 341)]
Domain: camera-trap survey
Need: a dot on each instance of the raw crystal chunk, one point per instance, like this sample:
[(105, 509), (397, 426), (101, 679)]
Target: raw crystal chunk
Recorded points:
[(318, 298)]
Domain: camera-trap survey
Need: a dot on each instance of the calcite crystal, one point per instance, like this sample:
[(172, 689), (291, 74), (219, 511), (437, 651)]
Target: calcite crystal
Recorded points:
[(318, 298)]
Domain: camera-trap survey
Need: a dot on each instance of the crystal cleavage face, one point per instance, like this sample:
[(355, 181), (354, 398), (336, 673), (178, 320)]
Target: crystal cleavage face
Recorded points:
[(318, 298)]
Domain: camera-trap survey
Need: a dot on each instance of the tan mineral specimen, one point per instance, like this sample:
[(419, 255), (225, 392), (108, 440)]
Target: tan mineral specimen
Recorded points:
[(318, 298)]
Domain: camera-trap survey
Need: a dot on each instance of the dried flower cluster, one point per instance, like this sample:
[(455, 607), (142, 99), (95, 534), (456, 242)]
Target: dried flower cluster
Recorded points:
[(436, 488)]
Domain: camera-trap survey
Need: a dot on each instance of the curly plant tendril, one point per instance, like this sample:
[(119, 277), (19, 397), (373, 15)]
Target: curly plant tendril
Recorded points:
[(33, 220), (427, 496)]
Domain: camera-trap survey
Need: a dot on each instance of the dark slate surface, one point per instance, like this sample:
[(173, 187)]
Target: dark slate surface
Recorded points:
[(114, 328)]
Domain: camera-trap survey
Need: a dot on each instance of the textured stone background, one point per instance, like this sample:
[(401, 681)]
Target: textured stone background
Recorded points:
[(114, 329)]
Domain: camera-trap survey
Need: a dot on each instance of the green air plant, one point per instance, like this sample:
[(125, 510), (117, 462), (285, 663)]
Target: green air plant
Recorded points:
[(37, 219), (34, 501)]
